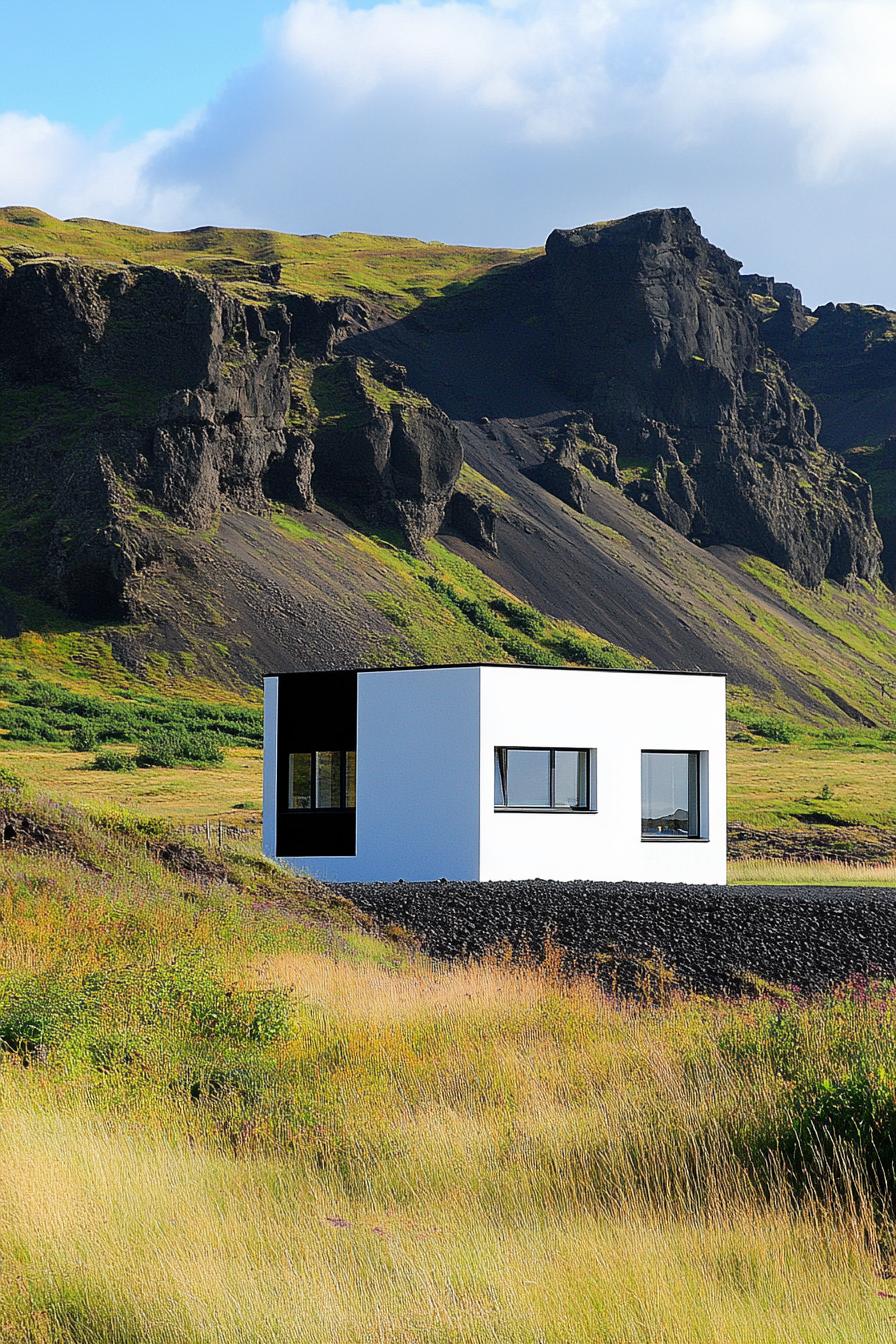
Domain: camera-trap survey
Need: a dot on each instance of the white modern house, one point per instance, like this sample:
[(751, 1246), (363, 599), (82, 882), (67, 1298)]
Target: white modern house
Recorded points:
[(490, 772)]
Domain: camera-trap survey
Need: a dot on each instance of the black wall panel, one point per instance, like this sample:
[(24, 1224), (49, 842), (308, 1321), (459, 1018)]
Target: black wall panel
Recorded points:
[(317, 711)]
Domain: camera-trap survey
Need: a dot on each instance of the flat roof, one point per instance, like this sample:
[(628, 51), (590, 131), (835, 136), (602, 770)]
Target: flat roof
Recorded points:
[(524, 667)]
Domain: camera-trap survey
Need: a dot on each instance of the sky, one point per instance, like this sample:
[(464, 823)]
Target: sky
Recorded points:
[(469, 121)]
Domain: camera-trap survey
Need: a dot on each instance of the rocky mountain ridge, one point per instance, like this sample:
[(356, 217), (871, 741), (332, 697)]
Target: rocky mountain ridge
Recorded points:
[(844, 355), (654, 334), (533, 417), (138, 389)]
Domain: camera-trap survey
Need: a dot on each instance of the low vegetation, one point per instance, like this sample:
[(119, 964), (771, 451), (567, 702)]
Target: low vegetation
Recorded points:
[(790, 873), (232, 1113), (399, 271), (446, 610), (34, 710), (818, 781)]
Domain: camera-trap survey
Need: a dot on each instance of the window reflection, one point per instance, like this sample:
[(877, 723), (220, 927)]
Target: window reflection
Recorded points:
[(669, 793), (300, 779), (542, 778), (322, 780)]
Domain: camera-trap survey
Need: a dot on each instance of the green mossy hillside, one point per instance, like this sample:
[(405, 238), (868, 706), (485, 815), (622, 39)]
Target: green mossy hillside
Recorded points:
[(398, 272)]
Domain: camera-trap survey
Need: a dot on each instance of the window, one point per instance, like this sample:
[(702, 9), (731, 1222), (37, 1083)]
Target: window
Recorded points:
[(542, 779), (321, 780), (670, 795), (300, 780), (328, 778)]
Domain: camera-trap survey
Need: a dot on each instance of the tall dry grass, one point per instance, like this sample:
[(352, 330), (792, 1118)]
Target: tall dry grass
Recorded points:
[(829, 873), (223, 1123), (114, 1236)]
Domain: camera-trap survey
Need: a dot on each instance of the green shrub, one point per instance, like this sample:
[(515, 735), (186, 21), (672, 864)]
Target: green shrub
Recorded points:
[(186, 989), (23, 723), (85, 736), (261, 1016), (521, 616), (112, 817), (113, 760), (476, 612), (39, 711), (11, 785), (39, 1012), (161, 749), (836, 1060), (588, 651), (524, 651), (203, 749), (168, 749), (772, 728)]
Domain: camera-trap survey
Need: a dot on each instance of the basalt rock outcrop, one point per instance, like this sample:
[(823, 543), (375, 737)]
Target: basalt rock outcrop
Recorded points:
[(129, 390), (655, 334), (383, 448), (844, 356), (136, 401), (575, 451), (780, 306), (476, 520), (317, 325)]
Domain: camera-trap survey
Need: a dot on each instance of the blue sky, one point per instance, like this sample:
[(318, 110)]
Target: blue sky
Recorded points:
[(480, 121), (99, 64)]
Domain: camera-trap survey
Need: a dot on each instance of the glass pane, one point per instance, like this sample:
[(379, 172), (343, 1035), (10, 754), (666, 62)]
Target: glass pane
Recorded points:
[(350, 779), (668, 801), (500, 777), (328, 780), (570, 779), (528, 778), (300, 779)]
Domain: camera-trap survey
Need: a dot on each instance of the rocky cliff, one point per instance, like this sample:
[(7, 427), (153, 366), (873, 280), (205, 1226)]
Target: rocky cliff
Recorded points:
[(138, 400), (629, 352), (246, 476), (844, 356), (655, 336)]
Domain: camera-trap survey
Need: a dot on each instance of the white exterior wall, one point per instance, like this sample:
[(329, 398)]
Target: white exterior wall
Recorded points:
[(618, 715), (425, 775), (417, 804), (269, 769)]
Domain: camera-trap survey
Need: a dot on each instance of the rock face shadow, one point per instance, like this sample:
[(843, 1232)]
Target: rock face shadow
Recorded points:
[(643, 328)]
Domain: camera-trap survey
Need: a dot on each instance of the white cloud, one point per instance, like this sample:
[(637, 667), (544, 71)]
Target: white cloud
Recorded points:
[(46, 163), (491, 122), (526, 61), (821, 70)]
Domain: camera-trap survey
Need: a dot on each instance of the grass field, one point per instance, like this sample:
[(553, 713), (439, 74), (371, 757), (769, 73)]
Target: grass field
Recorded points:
[(789, 873), (119, 1234), (230, 1115), (770, 785), (184, 795), (782, 784), (398, 271)]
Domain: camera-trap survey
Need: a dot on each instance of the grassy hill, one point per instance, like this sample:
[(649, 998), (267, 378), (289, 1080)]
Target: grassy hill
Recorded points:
[(398, 272), (231, 1112)]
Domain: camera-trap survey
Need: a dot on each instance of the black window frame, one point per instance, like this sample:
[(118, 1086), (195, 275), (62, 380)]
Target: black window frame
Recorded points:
[(695, 802), (343, 753), (553, 808)]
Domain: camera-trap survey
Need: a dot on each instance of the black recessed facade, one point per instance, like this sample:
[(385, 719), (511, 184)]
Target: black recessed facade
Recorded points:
[(317, 717)]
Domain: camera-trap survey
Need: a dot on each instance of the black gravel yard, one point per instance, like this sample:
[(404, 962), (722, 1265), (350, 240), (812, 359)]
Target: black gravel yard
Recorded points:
[(711, 937)]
